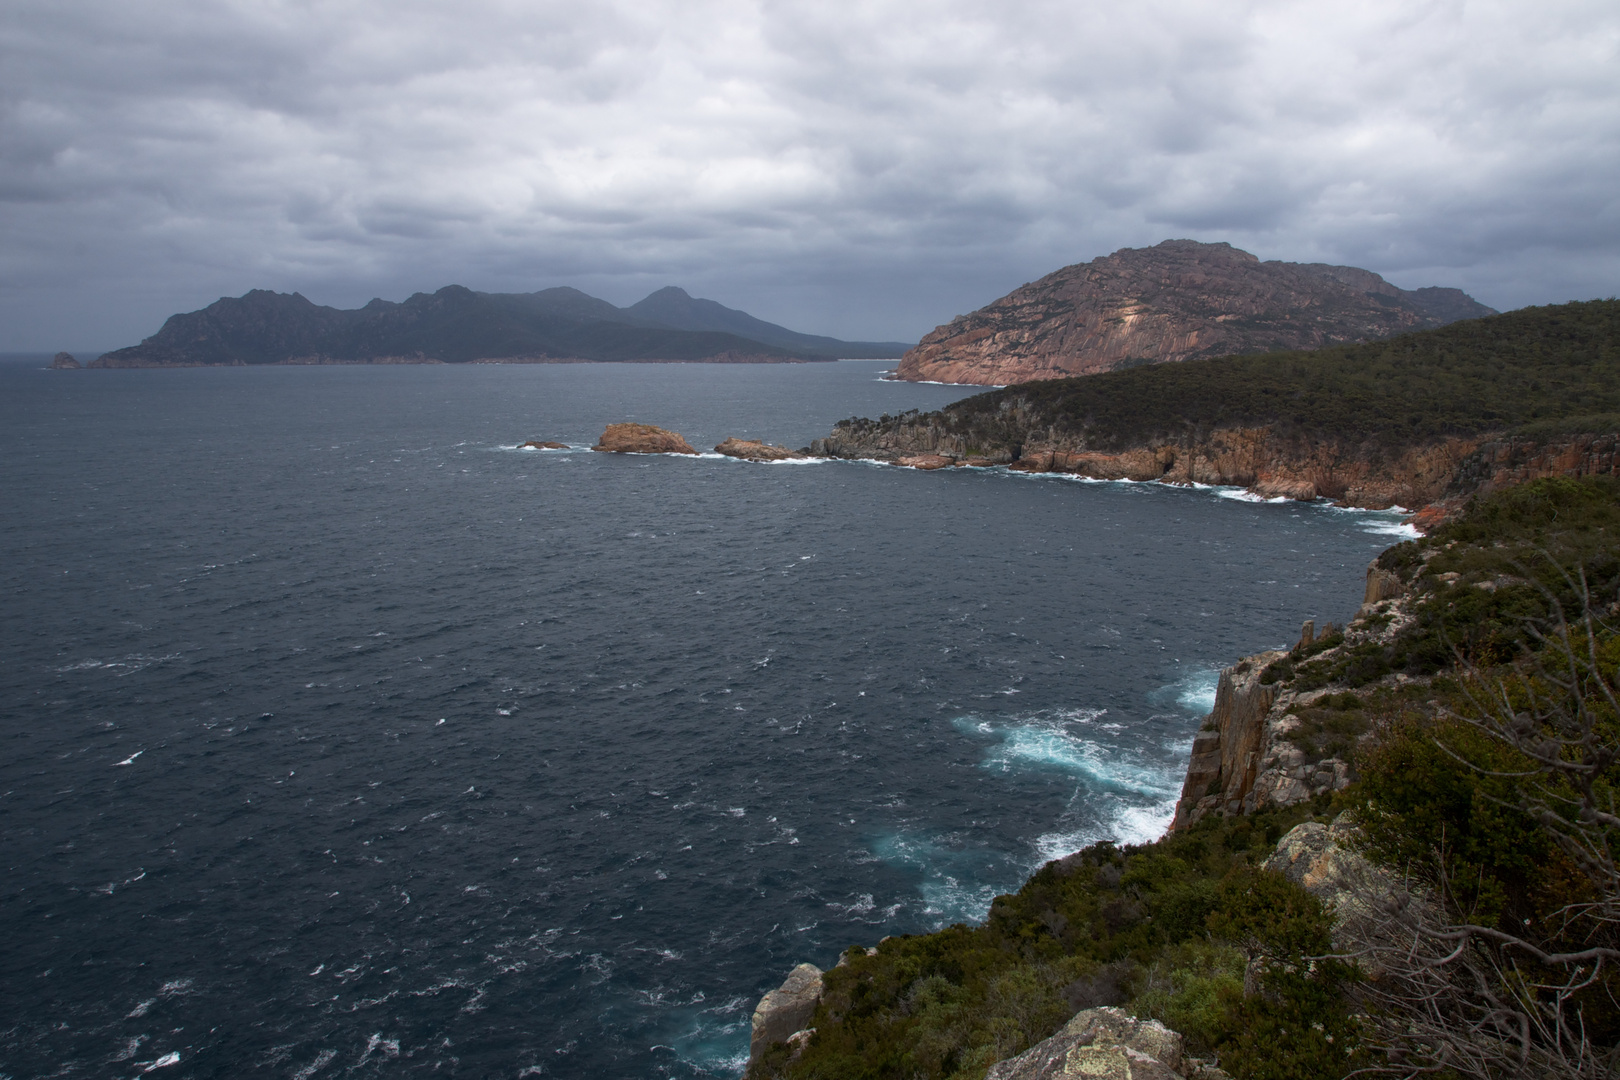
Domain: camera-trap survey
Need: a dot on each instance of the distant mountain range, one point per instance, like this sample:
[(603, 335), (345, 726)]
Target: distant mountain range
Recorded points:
[(457, 325), (1179, 300)]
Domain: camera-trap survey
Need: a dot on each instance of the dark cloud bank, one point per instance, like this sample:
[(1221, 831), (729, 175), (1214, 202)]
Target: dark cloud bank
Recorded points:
[(860, 170)]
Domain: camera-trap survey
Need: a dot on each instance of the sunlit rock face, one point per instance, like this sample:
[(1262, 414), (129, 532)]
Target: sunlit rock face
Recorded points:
[(1179, 300)]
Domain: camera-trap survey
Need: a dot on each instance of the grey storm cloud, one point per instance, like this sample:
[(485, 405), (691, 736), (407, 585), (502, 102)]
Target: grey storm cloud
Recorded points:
[(861, 169)]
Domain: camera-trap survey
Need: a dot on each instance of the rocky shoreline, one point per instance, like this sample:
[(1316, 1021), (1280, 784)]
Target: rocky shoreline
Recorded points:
[(1244, 759)]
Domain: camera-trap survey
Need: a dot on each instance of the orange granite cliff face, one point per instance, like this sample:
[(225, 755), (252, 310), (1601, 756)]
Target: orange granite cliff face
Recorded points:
[(1179, 300), (1435, 477)]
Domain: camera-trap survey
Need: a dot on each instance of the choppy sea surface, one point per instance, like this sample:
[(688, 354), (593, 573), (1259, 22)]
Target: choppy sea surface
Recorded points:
[(341, 738)]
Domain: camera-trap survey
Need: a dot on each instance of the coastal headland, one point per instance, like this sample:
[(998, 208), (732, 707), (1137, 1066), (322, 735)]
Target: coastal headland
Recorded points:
[(1423, 420)]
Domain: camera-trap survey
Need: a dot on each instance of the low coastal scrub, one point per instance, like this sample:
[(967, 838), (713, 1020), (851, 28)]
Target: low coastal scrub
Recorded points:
[(1166, 929), (1481, 713)]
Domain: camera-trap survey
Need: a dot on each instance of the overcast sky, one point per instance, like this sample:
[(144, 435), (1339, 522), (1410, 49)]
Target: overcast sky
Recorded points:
[(866, 170)]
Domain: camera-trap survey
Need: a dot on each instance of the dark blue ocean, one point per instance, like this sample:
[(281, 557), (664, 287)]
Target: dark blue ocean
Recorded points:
[(341, 738)]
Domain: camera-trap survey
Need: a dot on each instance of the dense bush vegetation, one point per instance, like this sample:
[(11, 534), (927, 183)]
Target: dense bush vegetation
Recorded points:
[(1480, 581), (1166, 929), (1539, 367)]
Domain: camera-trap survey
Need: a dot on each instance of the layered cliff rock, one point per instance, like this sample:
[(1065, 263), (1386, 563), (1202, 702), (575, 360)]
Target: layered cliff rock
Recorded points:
[(1249, 754), (1179, 300)]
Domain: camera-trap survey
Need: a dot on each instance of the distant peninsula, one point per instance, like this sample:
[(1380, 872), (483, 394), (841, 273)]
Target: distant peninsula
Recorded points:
[(1179, 300), (1427, 419), (456, 325)]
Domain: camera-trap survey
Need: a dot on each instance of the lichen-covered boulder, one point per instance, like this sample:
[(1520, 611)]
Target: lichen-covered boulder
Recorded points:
[(1105, 1043), (1323, 860)]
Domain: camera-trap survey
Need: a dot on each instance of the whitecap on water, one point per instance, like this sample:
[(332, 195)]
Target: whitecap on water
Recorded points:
[(1194, 692), (958, 882), (1402, 529), (1058, 739), (1125, 794)]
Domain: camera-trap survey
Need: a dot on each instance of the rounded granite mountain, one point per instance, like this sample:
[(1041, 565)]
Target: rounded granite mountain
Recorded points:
[(1179, 300)]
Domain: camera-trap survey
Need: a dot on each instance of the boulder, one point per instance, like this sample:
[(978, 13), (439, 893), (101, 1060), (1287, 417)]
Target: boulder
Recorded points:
[(786, 1011), (754, 450), (925, 461), (64, 362), (1106, 1043), (641, 439), (1282, 488), (544, 444), (1323, 860)]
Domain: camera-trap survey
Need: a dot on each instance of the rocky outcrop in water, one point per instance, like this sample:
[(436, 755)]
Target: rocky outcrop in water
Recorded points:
[(1179, 300), (784, 1013), (544, 444), (64, 362), (754, 450), (641, 439)]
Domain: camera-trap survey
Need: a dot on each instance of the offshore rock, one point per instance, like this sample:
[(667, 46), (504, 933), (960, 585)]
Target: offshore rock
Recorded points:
[(785, 1011), (754, 450), (544, 444), (1180, 300), (1108, 1043), (64, 362), (641, 439)]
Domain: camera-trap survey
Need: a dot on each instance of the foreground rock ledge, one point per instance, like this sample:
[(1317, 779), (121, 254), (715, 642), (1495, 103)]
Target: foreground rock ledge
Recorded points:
[(641, 439), (1106, 1043)]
